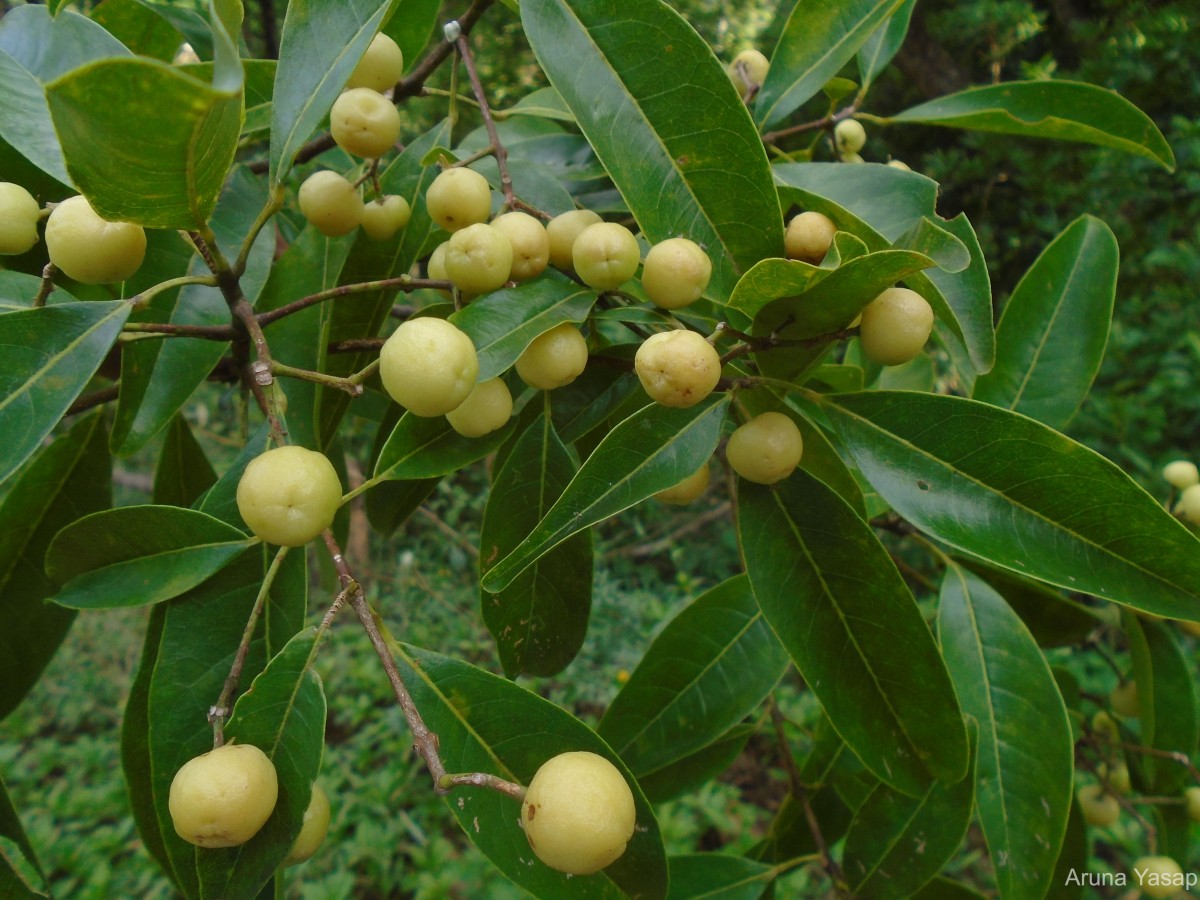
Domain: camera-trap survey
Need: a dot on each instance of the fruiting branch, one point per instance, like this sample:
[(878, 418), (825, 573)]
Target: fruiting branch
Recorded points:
[(825, 122), (398, 283), (482, 779), (46, 288), (464, 49)]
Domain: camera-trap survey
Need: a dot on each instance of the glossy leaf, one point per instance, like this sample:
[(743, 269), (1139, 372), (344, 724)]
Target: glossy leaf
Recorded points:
[(652, 450), (427, 447), (51, 354), (70, 478), (25, 122), (539, 620), (1054, 329), (139, 27), (703, 178), (706, 670), (48, 46), (1026, 751), (688, 775), (819, 38), (472, 712), (184, 472), (1063, 110), (1053, 619), (832, 594), (717, 876), (879, 49), (1007, 489), (137, 555), (790, 835)]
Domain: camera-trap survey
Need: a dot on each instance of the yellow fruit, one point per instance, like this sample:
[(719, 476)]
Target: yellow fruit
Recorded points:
[(1180, 474), (677, 368), (688, 490), (605, 255), (381, 66), (313, 829), (895, 326), (676, 273), (18, 219), (459, 197), (809, 237), (578, 813), (1117, 777), (331, 203), (1124, 700), (562, 231), (364, 123), (222, 798), (1189, 504), (749, 64), (90, 249), (487, 408), (530, 244), (1192, 796), (766, 449), (850, 136), (289, 495), (1106, 726), (898, 164), (1158, 876), (428, 366), (478, 258), (384, 216), (554, 359), (1098, 808)]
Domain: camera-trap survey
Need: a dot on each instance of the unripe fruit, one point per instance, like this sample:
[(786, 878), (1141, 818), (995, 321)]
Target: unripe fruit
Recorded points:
[(676, 273), (849, 135), (289, 495), (554, 359), (755, 66), (809, 237), (562, 231), (428, 366), (313, 829), (1124, 700), (1116, 777), (381, 66), (18, 219), (459, 197), (677, 368), (1099, 808), (766, 449), (1158, 876), (691, 488), (1192, 796), (530, 244), (578, 813), (90, 249), (605, 255), (851, 158), (384, 216), (487, 408), (1189, 504), (364, 123), (898, 164), (222, 798), (895, 326), (331, 203), (1106, 726), (478, 258), (1181, 474)]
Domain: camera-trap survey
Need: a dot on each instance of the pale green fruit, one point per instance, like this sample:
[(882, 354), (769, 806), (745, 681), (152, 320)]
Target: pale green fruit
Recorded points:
[(380, 67), (1124, 700), (809, 236), (384, 216), (289, 495), (314, 826), (487, 408), (459, 197), (688, 490), (1181, 474), (676, 273), (851, 158), (1098, 808), (898, 164), (18, 219), (1117, 777), (530, 244), (578, 813), (755, 67), (562, 231), (895, 326), (766, 449), (1106, 726), (428, 366), (331, 203), (1158, 876), (849, 136), (436, 267), (677, 368), (90, 249), (605, 255), (1189, 504), (1192, 796), (222, 798), (554, 359), (364, 123), (478, 258)]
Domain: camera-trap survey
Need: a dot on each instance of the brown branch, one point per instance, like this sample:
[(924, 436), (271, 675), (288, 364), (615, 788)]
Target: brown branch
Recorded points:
[(46, 288), (96, 398), (663, 544), (483, 779), (205, 332), (506, 185), (356, 345), (825, 122), (399, 283)]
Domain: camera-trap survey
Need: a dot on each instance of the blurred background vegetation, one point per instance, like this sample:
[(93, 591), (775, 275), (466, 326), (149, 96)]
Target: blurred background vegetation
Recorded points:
[(391, 837)]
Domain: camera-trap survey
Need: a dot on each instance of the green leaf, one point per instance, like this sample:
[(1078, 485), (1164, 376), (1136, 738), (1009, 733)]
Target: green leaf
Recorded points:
[(879, 49), (427, 447), (25, 122), (652, 450), (689, 775), (1026, 751), (48, 46), (1074, 857), (1052, 335), (1063, 110), (70, 478), (709, 668), (1052, 618), (51, 354), (790, 835), (819, 38), (19, 877), (473, 713), (137, 555), (703, 177), (717, 876), (220, 501), (944, 889), (411, 25), (184, 472), (1009, 490), (139, 27), (322, 42), (539, 621), (832, 594)]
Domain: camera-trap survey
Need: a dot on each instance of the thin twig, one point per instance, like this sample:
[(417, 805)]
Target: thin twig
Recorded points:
[(824, 122), (483, 779), (398, 283), (273, 205), (663, 544), (169, 329), (95, 398), (46, 288), (506, 185)]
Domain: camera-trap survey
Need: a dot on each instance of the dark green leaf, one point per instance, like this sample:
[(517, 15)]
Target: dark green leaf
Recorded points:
[(1051, 338), (427, 447), (704, 672), (836, 600), (220, 501), (1074, 858), (654, 449), (1052, 619), (137, 555), (703, 177), (51, 354), (688, 775), (945, 889), (184, 472), (790, 835), (17, 842), (49, 46), (716, 876), (410, 26), (1026, 752), (879, 49), (139, 27), (1063, 110), (25, 122), (391, 503), (19, 878), (1007, 489)]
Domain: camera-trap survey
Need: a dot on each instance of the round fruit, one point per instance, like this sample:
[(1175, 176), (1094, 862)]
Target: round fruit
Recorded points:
[(1192, 796), (562, 231), (289, 495), (478, 258), (380, 67), (223, 797), (384, 216), (1158, 876), (428, 366), (850, 136), (605, 255), (691, 488), (1117, 777), (851, 158), (895, 326), (364, 123), (554, 359), (677, 368), (90, 249), (766, 449), (1181, 474), (1124, 700), (313, 829), (676, 273), (331, 203), (18, 219), (898, 164), (755, 66), (487, 408), (530, 244), (1106, 726), (809, 237), (1189, 504), (1098, 807), (459, 197), (578, 813)]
